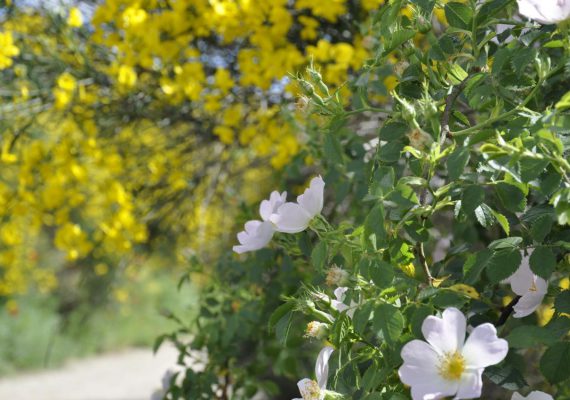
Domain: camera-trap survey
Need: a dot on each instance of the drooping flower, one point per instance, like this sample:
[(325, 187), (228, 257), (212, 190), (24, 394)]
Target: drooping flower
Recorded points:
[(448, 365), (315, 390), (530, 287), (295, 217), (545, 11), (536, 395), (257, 234)]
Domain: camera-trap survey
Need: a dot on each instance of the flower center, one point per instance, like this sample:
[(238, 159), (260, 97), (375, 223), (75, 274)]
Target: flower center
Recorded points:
[(452, 366)]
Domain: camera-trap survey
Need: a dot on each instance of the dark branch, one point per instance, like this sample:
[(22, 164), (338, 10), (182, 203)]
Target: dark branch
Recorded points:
[(507, 311)]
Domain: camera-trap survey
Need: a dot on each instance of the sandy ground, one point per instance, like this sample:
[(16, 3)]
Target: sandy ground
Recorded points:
[(128, 375)]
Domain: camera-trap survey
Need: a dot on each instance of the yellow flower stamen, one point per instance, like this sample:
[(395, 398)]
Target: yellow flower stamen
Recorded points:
[(452, 366)]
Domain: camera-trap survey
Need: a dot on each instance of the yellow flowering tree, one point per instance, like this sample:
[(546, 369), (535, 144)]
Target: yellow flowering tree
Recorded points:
[(137, 125)]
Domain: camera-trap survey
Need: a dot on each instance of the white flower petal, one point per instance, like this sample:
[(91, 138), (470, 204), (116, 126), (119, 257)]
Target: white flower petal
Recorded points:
[(291, 218), (420, 363), (322, 366), (545, 11), (312, 199), (268, 207), (256, 235), (535, 395), (339, 293), (527, 304), (470, 385), (523, 278), (437, 388), (445, 334), (483, 348)]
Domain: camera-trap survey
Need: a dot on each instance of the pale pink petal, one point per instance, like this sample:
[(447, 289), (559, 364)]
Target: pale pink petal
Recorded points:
[(322, 366), (291, 218), (445, 334), (312, 199), (483, 348), (470, 385)]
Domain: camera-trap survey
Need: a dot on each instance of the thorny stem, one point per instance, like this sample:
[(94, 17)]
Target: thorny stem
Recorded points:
[(516, 109), (423, 262), (455, 92)]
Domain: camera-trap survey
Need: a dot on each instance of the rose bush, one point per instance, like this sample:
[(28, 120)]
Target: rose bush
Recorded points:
[(444, 217)]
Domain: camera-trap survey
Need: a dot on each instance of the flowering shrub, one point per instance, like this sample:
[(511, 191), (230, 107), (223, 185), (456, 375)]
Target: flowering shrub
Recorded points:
[(428, 257)]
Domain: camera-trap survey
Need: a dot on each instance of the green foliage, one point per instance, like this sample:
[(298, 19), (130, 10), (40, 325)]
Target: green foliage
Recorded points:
[(461, 193)]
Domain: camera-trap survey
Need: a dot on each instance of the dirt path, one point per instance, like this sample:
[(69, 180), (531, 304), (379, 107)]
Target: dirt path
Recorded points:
[(128, 375)]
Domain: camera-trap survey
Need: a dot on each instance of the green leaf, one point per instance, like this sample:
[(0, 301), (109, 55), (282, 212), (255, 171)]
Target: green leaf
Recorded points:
[(457, 162), (542, 262), (541, 227), (484, 215), (554, 362), (390, 152), (472, 198), (374, 232), (361, 317), (529, 336), (333, 149), (449, 298), (319, 255), (503, 264), (562, 302), (459, 15), (388, 321), (279, 313), (503, 221), (564, 102), (505, 376), (382, 273), (397, 38), (506, 243), (393, 131), (511, 197), (474, 264)]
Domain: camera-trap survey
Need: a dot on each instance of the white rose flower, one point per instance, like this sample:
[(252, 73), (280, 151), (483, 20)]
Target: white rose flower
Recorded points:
[(257, 234), (315, 390), (530, 287), (448, 365), (316, 329), (536, 395), (295, 217), (545, 11), (339, 304)]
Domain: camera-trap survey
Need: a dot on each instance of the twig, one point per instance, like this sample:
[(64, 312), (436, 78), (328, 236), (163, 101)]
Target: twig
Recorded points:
[(455, 92), (423, 262), (507, 311)]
